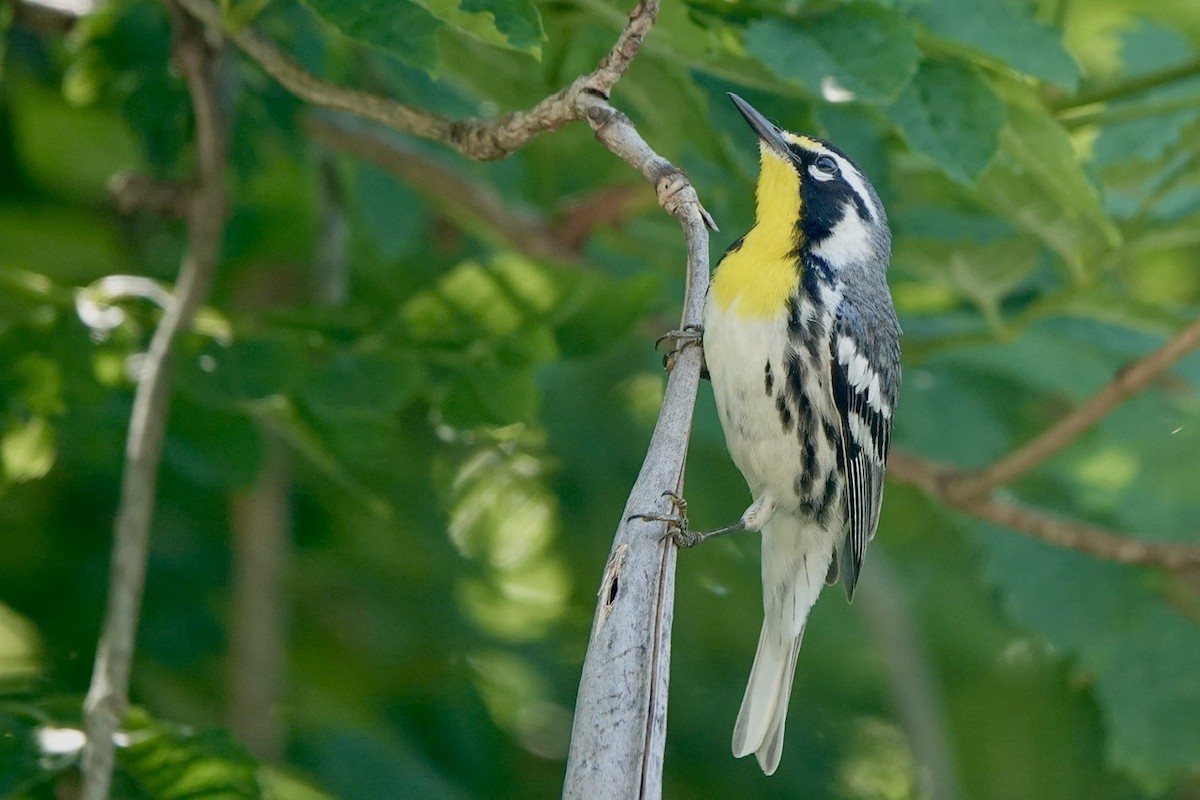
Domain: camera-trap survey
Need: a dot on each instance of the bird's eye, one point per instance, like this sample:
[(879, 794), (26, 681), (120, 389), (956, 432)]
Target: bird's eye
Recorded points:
[(826, 164)]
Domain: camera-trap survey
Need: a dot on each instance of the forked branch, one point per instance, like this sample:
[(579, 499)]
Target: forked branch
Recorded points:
[(473, 138), (972, 491), (1128, 382)]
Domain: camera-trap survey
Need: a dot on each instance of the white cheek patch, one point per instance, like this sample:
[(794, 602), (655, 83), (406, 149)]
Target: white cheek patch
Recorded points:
[(849, 241)]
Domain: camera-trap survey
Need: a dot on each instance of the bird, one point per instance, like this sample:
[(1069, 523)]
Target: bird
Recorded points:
[(802, 347)]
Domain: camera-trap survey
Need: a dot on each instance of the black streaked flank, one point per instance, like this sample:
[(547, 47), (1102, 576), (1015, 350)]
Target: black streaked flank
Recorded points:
[(810, 457), (828, 495), (768, 379), (794, 322), (785, 413)]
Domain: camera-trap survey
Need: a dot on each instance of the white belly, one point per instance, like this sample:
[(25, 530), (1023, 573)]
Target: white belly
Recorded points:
[(780, 452)]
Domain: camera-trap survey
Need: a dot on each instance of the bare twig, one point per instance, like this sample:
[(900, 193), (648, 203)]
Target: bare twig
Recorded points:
[(108, 694), (474, 138), (43, 17), (1128, 382), (937, 480)]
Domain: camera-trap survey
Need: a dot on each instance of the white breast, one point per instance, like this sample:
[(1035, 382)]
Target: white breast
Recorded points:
[(737, 352)]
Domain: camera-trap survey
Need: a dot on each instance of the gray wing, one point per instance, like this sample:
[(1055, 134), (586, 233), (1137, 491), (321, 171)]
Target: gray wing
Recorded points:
[(865, 362)]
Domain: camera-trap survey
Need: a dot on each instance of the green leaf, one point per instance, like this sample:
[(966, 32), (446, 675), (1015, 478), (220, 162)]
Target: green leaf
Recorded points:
[(868, 50), (514, 24), (171, 763), (400, 28), (1140, 653), (1162, 113), (490, 394), (372, 385), (212, 446), (985, 273), (27, 450), (1037, 182), (312, 444), (950, 113), (1003, 29), (245, 371)]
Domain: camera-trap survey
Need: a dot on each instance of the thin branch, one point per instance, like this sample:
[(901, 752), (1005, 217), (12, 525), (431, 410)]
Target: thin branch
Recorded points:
[(1127, 383), (561, 239), (108, 694), (474, 138), (1137, 85), (527, 233), (938, 480), (617, 740)]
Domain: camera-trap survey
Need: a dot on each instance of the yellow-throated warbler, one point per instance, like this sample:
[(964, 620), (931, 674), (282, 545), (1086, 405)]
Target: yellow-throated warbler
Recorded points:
[(802, 346)]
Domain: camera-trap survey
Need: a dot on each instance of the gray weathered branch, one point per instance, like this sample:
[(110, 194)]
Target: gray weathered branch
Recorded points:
[(620, 722), (108, 695)]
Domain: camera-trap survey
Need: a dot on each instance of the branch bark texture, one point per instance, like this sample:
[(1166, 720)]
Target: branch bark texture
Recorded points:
[(620, 722), (108, 694), (473, 138)]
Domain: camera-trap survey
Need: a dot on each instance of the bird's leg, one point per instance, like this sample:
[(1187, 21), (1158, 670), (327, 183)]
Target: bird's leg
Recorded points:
[(679, 530), (687, 336)]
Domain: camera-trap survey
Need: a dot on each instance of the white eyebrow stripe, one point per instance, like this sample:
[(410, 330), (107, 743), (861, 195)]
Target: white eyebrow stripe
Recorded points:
[(858, 184)]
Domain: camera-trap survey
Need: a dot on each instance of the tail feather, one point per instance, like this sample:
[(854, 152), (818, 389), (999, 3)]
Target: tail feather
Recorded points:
[(760, 721), (794, 570)]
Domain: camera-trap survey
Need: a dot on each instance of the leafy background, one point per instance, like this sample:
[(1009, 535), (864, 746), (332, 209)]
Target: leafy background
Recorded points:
[(452, 420)]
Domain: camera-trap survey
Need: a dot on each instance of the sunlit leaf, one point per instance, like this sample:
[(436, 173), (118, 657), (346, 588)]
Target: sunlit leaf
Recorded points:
[(1037, 182)]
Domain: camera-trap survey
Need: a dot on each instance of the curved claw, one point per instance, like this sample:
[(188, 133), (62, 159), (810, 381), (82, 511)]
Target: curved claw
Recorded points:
[(687, 336), (678, 528)]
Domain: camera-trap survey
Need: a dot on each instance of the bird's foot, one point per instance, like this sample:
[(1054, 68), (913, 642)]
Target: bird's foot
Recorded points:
[(680, 339), (679, 530)]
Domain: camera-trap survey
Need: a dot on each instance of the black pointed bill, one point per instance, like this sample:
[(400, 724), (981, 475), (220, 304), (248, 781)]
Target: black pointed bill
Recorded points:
[(767, 131)]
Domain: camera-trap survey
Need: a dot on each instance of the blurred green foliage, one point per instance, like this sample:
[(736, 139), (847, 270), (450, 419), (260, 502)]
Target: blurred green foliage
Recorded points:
[(462, 428)]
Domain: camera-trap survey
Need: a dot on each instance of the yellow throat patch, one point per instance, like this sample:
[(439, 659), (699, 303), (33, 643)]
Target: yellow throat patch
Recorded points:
[(758, 278)]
